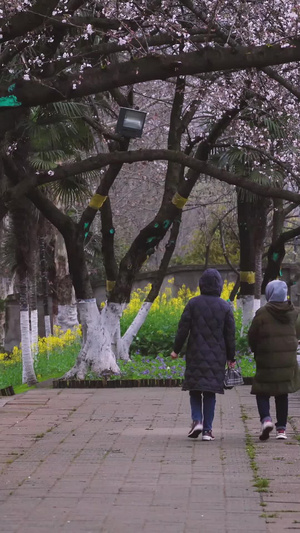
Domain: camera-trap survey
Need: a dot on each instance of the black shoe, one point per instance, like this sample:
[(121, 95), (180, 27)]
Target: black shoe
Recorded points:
[(195, 430), (266, 429)]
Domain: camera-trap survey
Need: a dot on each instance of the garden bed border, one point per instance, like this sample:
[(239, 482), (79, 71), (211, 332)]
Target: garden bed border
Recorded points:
[(7, 391), (120, 383)]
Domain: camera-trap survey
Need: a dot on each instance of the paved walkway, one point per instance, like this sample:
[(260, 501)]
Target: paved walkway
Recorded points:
[(119, 461)]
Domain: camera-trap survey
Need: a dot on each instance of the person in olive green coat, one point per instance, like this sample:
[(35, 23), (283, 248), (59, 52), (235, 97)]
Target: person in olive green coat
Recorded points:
[(273, 339)]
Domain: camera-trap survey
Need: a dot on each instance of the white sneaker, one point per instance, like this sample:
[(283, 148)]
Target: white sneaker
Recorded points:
[(281, 434), (207, 435), (195, 430), (266, 429)]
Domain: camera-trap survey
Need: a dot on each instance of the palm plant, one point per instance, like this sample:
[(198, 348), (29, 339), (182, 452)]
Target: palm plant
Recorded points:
[(54, 134), (58, 133)]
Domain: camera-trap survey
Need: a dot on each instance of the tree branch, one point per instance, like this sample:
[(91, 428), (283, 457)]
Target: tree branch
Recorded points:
[(21, 23), (153, 67), (101, 160), (226, 38)]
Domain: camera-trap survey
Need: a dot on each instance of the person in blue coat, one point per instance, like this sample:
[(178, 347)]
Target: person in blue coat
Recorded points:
[(208, 323)]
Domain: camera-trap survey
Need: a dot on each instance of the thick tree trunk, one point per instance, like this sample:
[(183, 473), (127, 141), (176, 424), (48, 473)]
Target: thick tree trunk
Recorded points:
[(247, 257), (252, 222), (2, 323), (4, 291), (98, 330), (66, 316), (24, 228), (247, 251), (6, 288), (276, 251), (258, 279), (259, 234)]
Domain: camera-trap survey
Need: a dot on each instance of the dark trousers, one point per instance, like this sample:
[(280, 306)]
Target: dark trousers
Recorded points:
[(203, 410), (281, 405)]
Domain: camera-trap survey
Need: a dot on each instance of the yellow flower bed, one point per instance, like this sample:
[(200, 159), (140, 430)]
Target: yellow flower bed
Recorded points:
[(59, 339), (14, 357), (167, 301)]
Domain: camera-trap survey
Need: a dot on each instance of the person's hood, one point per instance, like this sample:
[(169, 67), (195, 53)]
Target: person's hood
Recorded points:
[(283, 312), (211, 282), (276, 291)]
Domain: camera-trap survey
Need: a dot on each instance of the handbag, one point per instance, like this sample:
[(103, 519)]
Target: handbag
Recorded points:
[(233, 378)]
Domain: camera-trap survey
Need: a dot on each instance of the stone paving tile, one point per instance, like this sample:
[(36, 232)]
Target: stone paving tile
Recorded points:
[(278, 461), (119, 459), (87, 526)]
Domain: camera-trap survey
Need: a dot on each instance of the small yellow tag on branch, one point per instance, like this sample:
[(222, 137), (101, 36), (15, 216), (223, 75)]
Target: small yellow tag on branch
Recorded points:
[(248, 277), (110, 285), (179, 201), (97, 201)]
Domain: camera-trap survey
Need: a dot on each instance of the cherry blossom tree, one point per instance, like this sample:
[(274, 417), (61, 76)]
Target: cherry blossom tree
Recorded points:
[(61, 51)]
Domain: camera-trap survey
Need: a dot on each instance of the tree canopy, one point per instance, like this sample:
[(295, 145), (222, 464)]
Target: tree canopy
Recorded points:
[(55, 51), (220, 82)]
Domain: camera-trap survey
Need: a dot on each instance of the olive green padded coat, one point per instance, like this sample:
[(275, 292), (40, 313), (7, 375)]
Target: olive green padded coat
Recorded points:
[(273, 339)]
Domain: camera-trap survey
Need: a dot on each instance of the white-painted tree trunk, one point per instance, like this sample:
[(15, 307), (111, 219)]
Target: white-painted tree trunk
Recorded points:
[(47, 322), (263, 300), (67, 317), (246, 303), (124, 343), (2, 329), (28, 373), (6, 288), (118, 346), (298, 354), (98, 334), (256, 305), (34, 334)]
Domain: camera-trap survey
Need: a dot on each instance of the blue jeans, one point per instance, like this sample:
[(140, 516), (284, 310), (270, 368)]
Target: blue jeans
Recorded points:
[(207, 406), (281, 406)]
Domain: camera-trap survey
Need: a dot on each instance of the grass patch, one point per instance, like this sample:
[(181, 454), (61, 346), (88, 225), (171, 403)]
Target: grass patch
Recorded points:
[(40, 436), (244, 417), (262, 484), (51, 364)]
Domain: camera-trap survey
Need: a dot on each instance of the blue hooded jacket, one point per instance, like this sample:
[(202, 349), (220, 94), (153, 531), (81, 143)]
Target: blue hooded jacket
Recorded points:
[(208, 323)]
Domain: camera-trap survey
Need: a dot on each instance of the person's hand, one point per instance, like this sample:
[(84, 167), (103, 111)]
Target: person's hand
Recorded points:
[(174, 355), (231, 364)]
